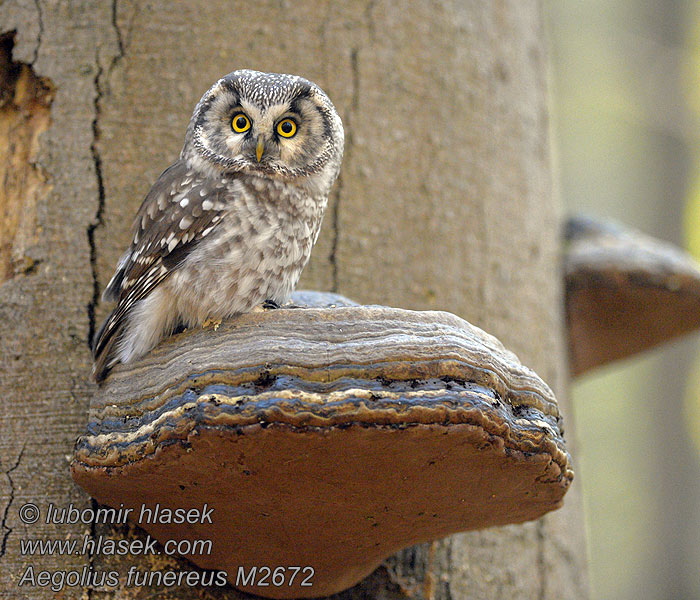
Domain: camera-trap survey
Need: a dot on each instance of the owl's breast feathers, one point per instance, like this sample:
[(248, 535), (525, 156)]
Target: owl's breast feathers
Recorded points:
[(257, 252), (229, 239)]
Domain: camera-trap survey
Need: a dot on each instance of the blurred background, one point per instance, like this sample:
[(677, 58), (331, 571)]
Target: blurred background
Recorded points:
[(626, 128)]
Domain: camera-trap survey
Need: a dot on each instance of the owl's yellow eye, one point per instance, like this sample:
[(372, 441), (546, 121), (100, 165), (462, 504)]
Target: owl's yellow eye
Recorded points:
[(286, 128), (240, 123)]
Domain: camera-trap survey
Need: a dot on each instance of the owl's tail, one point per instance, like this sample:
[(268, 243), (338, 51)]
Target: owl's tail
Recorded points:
[(105, 346)]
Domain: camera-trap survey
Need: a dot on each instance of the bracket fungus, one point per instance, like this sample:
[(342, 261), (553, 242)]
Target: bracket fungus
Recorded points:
[(625, 292), (327, 438)]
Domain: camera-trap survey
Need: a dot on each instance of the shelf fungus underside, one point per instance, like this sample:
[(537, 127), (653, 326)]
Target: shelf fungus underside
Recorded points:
[(326, 437), (625, 292)]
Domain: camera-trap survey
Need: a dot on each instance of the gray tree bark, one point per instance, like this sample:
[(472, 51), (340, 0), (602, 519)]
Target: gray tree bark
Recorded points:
[(444, 202)]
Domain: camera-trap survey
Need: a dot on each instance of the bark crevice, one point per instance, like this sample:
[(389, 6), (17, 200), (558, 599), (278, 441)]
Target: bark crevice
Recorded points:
[(540, 532), (98, 220), (7, 530), (101, 82), (40, 34), (349, 140)]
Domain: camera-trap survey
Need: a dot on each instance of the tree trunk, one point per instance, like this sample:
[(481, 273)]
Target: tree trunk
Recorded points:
[(444, 202)]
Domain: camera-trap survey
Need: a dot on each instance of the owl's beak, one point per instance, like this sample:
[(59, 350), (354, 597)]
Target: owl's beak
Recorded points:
[(260, 148)]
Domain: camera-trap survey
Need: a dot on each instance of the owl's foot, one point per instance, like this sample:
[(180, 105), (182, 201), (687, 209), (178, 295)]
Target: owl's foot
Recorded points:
[(214, 322), (270, 305)]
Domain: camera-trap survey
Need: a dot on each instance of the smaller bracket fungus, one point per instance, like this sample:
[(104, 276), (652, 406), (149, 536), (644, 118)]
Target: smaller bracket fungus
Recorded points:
[(625, 292), (325, 439)]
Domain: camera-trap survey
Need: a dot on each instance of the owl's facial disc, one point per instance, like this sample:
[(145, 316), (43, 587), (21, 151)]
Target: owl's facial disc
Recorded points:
[(267, 124)]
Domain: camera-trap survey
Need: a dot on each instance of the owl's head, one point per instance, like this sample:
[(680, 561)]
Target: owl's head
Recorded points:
[(267, 124)]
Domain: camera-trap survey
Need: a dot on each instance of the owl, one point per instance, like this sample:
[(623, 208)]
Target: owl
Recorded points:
[(230, 225)]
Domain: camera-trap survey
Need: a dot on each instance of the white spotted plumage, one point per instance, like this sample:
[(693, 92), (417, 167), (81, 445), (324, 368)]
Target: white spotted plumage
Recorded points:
[(223, 230)]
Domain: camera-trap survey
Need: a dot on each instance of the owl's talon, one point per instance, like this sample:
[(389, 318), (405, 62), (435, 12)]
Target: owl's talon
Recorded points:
[(214, 322), (179, 329), (270, 305)]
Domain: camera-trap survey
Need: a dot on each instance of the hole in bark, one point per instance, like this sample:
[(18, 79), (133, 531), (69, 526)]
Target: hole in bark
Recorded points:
[(25, 113)]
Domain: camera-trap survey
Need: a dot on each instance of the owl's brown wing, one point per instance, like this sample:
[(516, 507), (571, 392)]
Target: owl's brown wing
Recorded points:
[(178, 212)]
